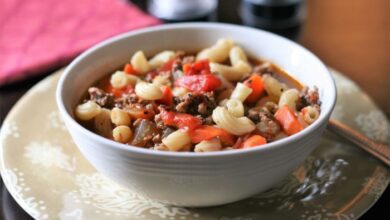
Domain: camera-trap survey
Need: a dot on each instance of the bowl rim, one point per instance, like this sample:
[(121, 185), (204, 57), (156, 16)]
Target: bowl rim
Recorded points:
[(273, 145)]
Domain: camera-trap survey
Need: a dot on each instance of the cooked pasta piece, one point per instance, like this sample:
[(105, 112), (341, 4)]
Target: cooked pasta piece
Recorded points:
[(162, 80), (177, 140), (241, 92), (120, 117), (289, 98), (122, 134), (179, 91), (223, 102), (237, 55), (87, 111), (235, 107), (302, 121), (231, 73), (161, 147), (234, 125), (120, 79), (208, 145), (102, 123), (159, 59), (243, 67), (140, 63), (310, 114), (148, 91), (218, 52), (273, 86)]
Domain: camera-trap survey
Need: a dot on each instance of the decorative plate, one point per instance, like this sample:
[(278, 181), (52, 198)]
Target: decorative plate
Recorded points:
[(49, 178)]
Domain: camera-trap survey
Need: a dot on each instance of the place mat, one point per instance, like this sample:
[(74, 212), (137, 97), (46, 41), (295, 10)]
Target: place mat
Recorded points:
[(39, 35)]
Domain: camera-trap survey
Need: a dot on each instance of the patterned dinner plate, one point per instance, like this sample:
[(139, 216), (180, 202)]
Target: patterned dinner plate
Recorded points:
[(49, 178)]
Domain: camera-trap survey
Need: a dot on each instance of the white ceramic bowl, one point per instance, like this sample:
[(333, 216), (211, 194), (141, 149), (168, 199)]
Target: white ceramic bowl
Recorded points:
[(194, 179)]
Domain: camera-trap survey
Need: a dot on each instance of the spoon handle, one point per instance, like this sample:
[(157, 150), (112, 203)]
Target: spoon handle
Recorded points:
[(380, 151)]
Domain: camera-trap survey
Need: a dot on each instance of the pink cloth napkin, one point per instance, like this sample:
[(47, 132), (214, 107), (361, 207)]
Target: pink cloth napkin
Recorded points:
[(38, 35)]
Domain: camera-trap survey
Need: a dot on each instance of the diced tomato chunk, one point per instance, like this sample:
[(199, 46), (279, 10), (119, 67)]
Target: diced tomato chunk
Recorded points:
[(167, 66), (167, 98), (199, 67), (180, 120), (187, 68), (129, 69), (199, 83)]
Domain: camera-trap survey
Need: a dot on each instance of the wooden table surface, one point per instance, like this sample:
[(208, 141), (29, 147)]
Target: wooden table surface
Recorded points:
[(349, 35)]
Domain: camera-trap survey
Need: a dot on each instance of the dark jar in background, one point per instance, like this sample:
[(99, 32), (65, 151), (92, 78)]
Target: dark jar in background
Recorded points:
[(283, 17)]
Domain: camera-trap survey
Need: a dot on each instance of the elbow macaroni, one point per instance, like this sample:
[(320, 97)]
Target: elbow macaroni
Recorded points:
[(162, 80), (87, 111), (272, 86), (237, 126), (289, 98), (231, 73), (241, 92), (179, 91), (217, 53), (235, 107), (140, 63), (239, 69), (159, 59), (102, 123), (310, 114), (120, 117), (148, 91), (177, 140), (237, 55), (208, 145), (120, 79), (122, 134)]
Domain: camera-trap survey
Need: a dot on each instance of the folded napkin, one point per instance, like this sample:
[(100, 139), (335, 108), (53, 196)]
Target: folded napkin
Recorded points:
[(38, 35)]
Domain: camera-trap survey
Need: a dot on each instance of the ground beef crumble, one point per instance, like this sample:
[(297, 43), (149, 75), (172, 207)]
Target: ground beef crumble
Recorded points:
[(101, 97), (308, 97), (126, 99), (265, 121), (196, 104)]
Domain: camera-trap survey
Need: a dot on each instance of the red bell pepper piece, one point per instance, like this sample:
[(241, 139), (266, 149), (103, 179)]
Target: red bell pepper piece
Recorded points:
[(207, 132), (254, 141), (288, 120), (256, 84)]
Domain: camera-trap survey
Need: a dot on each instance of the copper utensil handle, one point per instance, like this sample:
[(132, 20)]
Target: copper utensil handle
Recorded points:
[(380, 151)]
